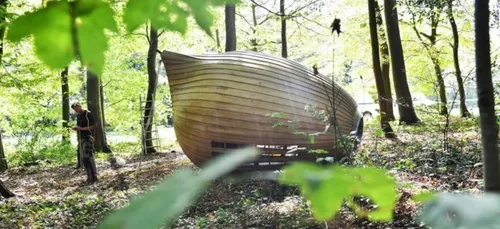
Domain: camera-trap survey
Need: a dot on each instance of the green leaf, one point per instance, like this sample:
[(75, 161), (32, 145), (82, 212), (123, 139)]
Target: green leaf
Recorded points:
[(173, 195), (53, 37), (318, 151), (94, 18), (162, 15), (98, 13), (379, 133), (175, 19), (201, 14), (222, 2), (312, 139), (323, 187), (296, 173), (278, 124), (328, 188), (300, 133), (451, 211), (376, 185), (169, 15), (280, 114), (51, 28), (424, 197), (137, 12)]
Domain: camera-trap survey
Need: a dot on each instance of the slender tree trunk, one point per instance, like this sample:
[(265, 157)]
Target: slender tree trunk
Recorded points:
[(4, 191), (103, 114), (3, 21), (443, 109), (386, 63), (434, 56), (382, 102), (435, 61), (253, 41), (230, 27), (152, 85), (284, 45), (217, 37), (3, 162), (405, 104), (3, 8), (486, 100), (464, 112), (101, 98), (65, 104), (94, 106)]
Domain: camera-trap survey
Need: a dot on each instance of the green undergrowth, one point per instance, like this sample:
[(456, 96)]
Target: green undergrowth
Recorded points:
[(423, 150)]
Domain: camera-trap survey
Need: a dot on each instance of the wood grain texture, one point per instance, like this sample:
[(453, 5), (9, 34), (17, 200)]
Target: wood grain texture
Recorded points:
[(224, 98)]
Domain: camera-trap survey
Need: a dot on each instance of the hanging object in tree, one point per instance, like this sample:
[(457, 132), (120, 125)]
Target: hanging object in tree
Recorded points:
[(336, 26), (315, 69)]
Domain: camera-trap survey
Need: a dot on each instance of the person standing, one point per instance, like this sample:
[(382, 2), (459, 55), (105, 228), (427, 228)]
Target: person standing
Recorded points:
[(85, 124)]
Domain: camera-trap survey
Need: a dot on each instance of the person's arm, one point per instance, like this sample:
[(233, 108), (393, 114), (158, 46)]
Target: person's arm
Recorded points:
[(91, 128)]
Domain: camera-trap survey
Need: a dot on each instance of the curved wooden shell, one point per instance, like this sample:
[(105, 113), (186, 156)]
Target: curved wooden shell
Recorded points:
[(220, 101)]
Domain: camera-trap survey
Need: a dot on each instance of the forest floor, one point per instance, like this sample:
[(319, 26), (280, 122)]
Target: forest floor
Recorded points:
[(56, 196)]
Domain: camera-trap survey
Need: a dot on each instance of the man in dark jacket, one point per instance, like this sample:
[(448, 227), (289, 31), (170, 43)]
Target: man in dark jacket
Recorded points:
[(85, 124)]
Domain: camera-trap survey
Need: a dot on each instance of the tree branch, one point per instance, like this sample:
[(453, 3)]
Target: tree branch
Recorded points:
[(106, 84), (315, 22), (147, 34), (303, 7), (424, 34), (309, 29), (161, 33), (244, 19), (135, 34), (268, 10), (265, 19), (110, 105), (247, 33)]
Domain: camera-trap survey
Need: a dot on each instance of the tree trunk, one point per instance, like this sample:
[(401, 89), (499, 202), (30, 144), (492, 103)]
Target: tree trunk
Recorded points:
[(284, 45), (217, 37), (434, 56), (443, 109), (65, 104), (486, 100), (3, 162), (382, 102), (384, 51), (3, 8), (94, 106), (4, 191), (3, 24), (147, 123), (253, 41), (405, 104), (230, 27), (103, 114), (435, 61), (464, 112)]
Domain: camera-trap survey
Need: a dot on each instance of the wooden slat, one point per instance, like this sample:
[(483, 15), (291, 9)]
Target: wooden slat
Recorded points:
[(199, 73), (263, 74), (257, 113), (216, 133), (290, 109), (261, 150), (260, 63)]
